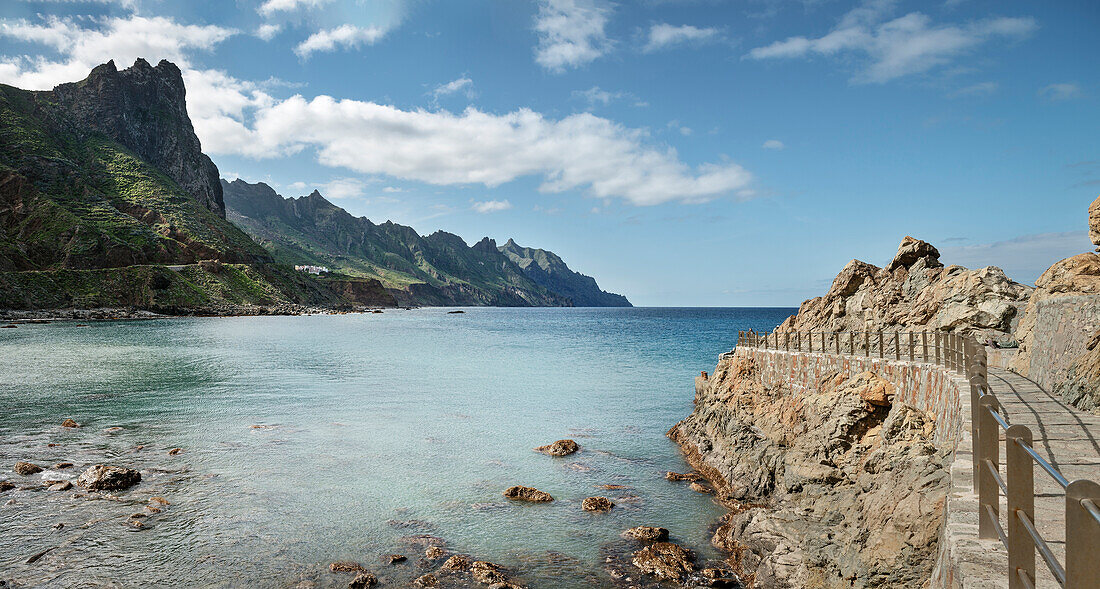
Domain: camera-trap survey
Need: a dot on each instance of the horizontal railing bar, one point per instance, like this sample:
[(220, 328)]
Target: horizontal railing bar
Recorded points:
[(1091, 507), (1044, 550), (1053, 472), (996, 525), (996, 475), (997, 416)]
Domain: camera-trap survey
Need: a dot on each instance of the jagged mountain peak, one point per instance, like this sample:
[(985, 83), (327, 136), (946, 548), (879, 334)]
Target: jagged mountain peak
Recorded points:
[(144, 108)]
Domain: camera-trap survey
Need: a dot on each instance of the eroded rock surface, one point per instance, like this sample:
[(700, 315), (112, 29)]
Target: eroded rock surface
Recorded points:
[(647, 534), (915, 290), (834, 485), (665, 560), (597, 504), (521, 493), (26, 468), (559, 448), (102, 477)]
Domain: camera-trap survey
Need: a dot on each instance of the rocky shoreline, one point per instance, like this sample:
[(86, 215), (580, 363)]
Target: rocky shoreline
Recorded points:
[(17, 316)]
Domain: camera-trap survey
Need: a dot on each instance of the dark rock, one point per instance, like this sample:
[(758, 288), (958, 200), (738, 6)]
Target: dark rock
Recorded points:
[(597, 504), (521, 493), (6, 486), (665, 560), (689, 476), (362, 581), (487, 572), (69, 423), (26, 468), (394, 558), (647, 534), (62, 465), (428, 580), (61, 486), (434, 553), (175, 451), (346, 566), (102, 477), (559, 448), (700, 488)]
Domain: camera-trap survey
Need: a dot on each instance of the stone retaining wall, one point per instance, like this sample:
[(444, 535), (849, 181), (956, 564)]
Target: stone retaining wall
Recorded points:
[(1062, 327), (925, 386), (963, 560)]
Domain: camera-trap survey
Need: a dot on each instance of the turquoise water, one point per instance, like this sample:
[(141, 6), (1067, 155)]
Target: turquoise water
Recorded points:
[(377, 427)]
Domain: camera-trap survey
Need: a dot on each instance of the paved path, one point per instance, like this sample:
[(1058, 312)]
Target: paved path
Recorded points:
[(1066, 437)]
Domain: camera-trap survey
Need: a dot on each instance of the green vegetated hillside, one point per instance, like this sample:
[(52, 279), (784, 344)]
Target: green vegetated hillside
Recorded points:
[(437, 269), (103, 185)]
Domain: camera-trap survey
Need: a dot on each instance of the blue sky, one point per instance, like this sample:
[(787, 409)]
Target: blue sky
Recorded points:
[(682, 152)]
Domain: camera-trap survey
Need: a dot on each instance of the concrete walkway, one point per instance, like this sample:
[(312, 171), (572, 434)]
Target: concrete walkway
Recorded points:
[(1066, 437)]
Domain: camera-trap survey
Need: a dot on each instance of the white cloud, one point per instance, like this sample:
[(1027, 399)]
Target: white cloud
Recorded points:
[(596, 95), (343, 188), (491, 206), (664, 35), (463, 84), (392, 189), (344, 37), (1059, 92), (1022, 258), (773, 144), (571, 32), (272, 6), (84, 47), (911, 44), (298, 186), (267, 32), (581, 151)]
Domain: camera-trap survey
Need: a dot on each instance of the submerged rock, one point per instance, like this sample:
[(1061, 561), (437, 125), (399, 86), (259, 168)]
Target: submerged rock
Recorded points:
[(521, 493), (665, 560), (62, 465), (700, 488), (428, 580), (102, 477), (26, 468), (346, 566), (362, 581), (457, 562), (487, 572), (175, 451), (6, 486), (688, 476), (394, 558), (69, 423), (559, 448), (597, 504), (647, 534), (61, 486)]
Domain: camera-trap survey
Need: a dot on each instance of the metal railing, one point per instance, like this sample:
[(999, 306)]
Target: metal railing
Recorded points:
[(965, 356)]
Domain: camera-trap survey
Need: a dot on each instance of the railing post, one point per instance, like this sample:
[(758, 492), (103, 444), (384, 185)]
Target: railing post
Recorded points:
[(924, 346), (787, 341), (838, 343), (881, 348), (1082, 534), (897, 346), (1020, 480), (911, 346), (938, 347), (852, 343), (989, 492), (867, 343)]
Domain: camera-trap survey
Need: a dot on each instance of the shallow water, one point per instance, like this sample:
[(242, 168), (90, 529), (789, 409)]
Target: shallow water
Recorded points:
[(377, 427)]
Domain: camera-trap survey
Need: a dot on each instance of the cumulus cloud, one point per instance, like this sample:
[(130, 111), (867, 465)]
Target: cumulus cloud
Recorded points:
[(343, 188), (84, 46), (267, 32), (773, 144), (464, 85), (1059, 92), (571, 32), (907, 45), (342, 37), (272, 6), (581, 151), (664, 35), (491, 206)]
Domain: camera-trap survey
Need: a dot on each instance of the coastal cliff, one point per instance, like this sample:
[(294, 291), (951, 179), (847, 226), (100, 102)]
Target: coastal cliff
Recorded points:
[(916, 291), (834, 485)]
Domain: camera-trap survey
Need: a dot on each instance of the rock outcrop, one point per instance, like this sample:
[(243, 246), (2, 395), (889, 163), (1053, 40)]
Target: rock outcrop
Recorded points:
[(1061, 325), (145, 109), (1094, 222), (521, 493), (838, 484), (547, 269), (102, 477), (559, 448), (915, 291)]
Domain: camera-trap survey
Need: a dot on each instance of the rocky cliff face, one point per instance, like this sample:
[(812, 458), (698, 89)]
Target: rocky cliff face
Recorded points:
[(144, 108), (548, 270), (915, 290), (437, 269), (1060, 328), (834, 486)]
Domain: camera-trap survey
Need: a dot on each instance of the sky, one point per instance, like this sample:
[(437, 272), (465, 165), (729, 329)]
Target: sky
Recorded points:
[(683, 152)]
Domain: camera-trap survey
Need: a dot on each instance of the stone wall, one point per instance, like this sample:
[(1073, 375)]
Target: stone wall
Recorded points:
[(927, 387), (963, 560), (1063, 325)]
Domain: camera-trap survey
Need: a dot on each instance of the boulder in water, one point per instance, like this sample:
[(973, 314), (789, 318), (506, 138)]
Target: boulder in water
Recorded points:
[(597, 504), (102, 477), (521, 493), (559, 448), (26, 468)]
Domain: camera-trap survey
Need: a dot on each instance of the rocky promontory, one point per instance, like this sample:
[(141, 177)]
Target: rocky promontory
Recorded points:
[(916, 291), (833, 485)]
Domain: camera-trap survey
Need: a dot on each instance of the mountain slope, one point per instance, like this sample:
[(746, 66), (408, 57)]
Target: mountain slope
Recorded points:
[(105, 175), (438, 269), (550, 271)]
